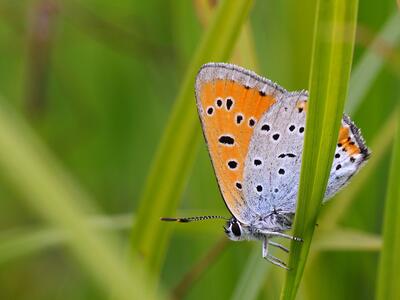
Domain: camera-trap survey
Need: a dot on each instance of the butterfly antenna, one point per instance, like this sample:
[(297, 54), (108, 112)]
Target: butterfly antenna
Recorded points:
[(192, 219)]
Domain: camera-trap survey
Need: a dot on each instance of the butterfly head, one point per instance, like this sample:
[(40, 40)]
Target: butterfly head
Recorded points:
[(236, 231)]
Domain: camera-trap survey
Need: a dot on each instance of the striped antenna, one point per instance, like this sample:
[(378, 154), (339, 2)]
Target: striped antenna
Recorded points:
[(192, 219)]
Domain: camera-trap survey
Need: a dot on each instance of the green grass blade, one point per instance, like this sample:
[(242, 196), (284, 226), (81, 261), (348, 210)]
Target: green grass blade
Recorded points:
[(371, 63), (33, 172), (330, 72), (389, 266), (177, 150)]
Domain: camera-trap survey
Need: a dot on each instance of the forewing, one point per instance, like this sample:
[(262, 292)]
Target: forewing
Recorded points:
[(230, 101)]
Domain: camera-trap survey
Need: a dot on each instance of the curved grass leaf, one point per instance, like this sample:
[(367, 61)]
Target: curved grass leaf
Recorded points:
[(177, 150), (35, 174), (389, 267), (334, 37)]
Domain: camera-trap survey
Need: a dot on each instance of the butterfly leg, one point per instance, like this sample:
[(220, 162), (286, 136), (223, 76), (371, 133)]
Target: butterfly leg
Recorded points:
[(276, 261), (282, 235), (279, 246)]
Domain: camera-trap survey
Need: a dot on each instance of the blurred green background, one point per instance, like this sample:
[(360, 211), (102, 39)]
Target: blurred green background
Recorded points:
[(96, 81)]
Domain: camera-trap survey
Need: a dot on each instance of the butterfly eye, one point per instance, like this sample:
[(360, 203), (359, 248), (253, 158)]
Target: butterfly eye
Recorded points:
[(236, 229)]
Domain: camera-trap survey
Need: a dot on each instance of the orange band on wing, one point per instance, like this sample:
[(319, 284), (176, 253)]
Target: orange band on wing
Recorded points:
[(230, 111)]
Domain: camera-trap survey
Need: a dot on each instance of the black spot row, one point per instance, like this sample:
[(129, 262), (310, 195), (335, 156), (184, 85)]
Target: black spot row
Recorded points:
[(262, 93), (276, 136), (259, 188), (238, 185), (219, 102), (239, 119), (281, 171)]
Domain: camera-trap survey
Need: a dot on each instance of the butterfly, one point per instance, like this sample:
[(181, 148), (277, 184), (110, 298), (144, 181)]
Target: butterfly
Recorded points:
[(254, 130)]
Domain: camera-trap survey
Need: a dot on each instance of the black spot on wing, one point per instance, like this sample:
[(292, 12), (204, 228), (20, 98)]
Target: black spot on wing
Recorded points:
[(226, 139), (265, 127), (232, 164), (229, 103)]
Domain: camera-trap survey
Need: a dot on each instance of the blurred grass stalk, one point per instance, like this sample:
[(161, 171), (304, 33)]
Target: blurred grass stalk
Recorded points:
[(389, 265), (176, 153), (35, 174), (371, 62), (245, 49), (334, 38), (19, 242)]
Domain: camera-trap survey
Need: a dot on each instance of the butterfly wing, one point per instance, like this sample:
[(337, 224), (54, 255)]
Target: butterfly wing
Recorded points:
[(230, 101), (272, 167), (351, 153)]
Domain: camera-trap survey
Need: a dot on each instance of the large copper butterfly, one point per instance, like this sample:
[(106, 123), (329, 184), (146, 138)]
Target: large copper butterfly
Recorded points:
[(254, 131)]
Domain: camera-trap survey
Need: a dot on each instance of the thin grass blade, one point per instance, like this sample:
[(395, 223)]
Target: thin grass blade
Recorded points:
[(177, 150), (389, 266), (334, 38)]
